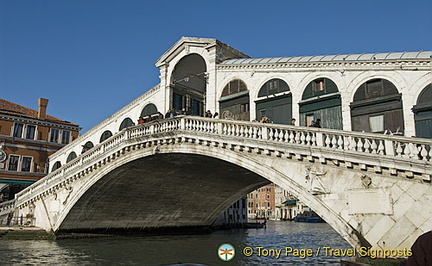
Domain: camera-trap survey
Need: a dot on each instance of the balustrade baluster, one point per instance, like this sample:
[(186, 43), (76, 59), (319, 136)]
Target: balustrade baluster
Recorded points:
[(334, 141), (308, 138), (291, 136), (347, 143), (241, 131), (340, 142), (270, 134), (314, 139), (381, 149), (367, 146), (360, 145), (328, 140), (414, 151), (303, 137), (423, 152), (406, 151), (281, 135), (374, 146), (297, 137), (399, 149)]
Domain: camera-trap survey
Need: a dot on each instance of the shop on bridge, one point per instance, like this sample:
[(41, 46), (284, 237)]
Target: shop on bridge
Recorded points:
[(321, 100), (423, 113), (275, 102), (234, 102), (377, 108)]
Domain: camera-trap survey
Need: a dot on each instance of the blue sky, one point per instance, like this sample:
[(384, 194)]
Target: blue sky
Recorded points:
[(92, 57)]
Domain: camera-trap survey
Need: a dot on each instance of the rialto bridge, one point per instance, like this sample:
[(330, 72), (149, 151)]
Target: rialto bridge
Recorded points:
[(363, 172)]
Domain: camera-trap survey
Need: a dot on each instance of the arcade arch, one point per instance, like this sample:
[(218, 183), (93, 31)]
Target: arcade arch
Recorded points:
[(321, 99), (189, 85), (234, 101), (377, 107), (275, 101), (423, 113)]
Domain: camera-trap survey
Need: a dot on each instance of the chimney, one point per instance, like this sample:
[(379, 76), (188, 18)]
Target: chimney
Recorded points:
[(42, 105)]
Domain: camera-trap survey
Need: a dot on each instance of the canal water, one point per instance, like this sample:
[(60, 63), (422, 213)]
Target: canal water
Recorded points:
[(299, 243)]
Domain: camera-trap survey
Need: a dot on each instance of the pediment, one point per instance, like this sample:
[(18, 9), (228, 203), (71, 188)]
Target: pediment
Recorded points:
[(223, 51)]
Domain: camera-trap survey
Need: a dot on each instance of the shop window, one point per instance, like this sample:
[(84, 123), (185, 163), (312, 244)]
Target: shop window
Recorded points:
[(377, 123)]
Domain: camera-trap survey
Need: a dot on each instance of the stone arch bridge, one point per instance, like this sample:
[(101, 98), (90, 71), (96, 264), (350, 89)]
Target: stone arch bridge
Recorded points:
[(372, 189)]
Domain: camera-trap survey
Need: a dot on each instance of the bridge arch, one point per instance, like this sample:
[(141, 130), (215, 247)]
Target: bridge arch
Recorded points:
[(243, 166)]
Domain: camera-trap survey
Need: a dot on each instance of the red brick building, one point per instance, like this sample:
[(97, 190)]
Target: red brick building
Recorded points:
[(27, 138), (261, 203)]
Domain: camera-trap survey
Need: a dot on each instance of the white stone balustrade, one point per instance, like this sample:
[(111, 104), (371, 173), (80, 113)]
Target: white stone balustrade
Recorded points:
[(398, 154)]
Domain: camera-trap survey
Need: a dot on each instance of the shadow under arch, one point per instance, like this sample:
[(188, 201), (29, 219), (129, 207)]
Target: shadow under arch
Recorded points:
[(228, 176)]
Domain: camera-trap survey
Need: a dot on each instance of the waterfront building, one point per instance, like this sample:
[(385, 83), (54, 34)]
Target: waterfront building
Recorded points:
[(27, 138), (261, 203), (234, 216)]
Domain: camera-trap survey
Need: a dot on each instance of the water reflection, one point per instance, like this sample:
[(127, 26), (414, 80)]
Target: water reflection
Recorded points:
[(198, 249)]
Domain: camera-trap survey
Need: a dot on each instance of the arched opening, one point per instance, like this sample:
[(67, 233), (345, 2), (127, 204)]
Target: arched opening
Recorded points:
[(215, 183), (71, 156), (106, 135), (189, 84), (87, 146), (234, 102), (275, 102), (127, 122), (423, 113), (149, 109), (321, 100), (377, 107), (56, 166)]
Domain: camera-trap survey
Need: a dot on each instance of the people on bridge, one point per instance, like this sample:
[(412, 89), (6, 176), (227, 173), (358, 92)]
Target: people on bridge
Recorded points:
[(208, 114), (316, 123), (216, 115), (293, 122)]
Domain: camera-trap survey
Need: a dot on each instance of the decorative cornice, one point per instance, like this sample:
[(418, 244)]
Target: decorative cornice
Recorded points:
[(408, 65)]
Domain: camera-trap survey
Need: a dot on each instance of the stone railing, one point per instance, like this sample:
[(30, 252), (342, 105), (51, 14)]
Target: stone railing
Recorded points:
[(7, 207), (409, 155)]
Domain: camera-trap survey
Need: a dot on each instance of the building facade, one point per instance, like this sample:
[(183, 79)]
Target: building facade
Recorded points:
[(27, 138)]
